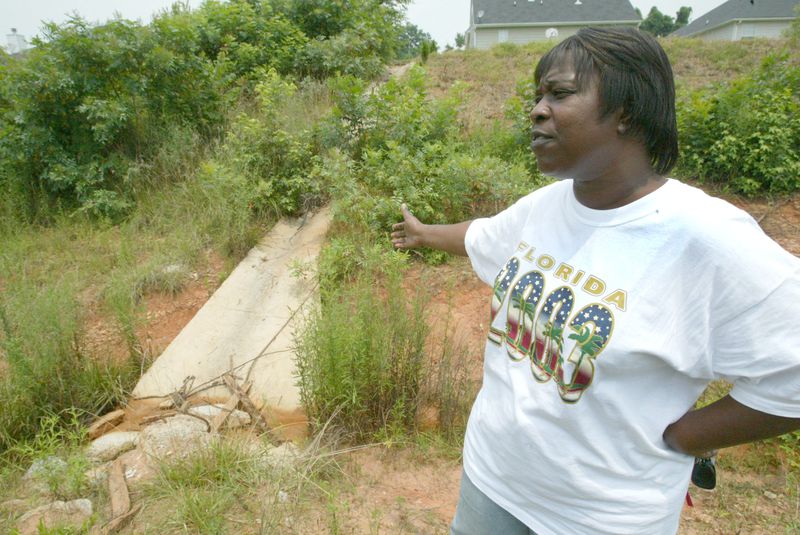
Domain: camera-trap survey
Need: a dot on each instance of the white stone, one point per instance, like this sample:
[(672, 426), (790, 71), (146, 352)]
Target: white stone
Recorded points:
[(110, 446), (174, 437), (41, 467), (73, 514), (138, 467), (235, 419)]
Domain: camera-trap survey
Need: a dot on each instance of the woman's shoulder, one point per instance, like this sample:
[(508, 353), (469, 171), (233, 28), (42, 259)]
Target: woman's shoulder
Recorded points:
[(705, 215), (724, 231)]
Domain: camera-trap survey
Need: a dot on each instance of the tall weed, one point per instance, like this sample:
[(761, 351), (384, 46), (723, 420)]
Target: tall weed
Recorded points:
[(361, 355), (47, 372)]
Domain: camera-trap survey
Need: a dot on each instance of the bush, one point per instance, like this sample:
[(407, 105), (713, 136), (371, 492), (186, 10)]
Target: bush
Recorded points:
[(244, 37), (406, 148), (86, 102), (360, 357), (747, 134), (275, 162)]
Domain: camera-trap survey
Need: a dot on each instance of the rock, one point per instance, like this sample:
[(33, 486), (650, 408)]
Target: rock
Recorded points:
[(74, 514), (110, 446), (105, 423), (284, 456), (98, 475), (177, 436), (138, 467), (235, 419), (42, 467), (770, 495), (14, 507)]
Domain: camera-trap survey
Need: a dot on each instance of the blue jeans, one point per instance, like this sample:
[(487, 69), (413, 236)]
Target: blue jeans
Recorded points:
[(477, 514)]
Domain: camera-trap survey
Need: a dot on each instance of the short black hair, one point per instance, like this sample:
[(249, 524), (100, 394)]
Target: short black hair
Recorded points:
[(634, 75)]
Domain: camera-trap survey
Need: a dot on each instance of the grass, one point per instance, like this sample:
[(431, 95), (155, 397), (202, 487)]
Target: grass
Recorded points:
[(491, 75)]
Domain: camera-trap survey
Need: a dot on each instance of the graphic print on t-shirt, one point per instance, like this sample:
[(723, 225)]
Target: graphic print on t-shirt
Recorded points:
[(543, 323)]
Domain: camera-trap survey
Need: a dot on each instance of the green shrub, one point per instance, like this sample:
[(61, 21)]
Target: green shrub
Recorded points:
[(88, 100), (346, 37), (348, 53), (747, 134), (243, 37), (275, 162), (406, 148)]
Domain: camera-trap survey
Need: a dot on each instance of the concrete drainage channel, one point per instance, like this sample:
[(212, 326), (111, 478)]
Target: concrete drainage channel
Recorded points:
[(243, 334), (232, 366)]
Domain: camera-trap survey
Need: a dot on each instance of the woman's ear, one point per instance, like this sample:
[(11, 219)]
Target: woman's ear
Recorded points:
[(623, 125)]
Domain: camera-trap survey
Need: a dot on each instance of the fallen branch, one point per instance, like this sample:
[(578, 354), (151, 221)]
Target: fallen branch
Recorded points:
[(229, 406), (247, 403), (121, 510)]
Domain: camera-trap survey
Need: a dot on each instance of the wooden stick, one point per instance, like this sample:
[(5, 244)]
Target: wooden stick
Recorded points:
[(247, 403), (118, 490)]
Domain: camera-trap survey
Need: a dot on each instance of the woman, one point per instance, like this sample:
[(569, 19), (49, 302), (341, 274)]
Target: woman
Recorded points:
[(618, 295)]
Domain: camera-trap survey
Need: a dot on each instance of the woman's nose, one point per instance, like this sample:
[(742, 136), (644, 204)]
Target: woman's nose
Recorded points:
[(540, 111)]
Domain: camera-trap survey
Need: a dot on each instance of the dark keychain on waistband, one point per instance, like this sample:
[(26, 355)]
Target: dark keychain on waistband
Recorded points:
[(704, 473)]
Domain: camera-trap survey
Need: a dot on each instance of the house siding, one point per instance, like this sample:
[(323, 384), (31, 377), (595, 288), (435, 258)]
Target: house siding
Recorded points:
[(488, 37), (736, 31)]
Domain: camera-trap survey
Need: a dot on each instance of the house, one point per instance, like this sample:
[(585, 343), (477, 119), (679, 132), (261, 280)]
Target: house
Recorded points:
[(16, 42), (741, 19), (522, 21)]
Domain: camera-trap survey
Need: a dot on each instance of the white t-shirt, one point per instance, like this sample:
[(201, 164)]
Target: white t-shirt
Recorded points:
[(606, 327)]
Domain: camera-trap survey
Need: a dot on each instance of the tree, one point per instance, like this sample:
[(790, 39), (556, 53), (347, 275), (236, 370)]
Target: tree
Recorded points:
[(682, 17), (660, 24), (410, 41), (657, 23), (460, 40), (427, 48)]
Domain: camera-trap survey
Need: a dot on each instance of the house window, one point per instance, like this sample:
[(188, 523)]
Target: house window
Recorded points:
[(502, 36)]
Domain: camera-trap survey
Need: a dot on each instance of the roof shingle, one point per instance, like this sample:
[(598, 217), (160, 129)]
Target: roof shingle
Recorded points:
[(739, 9), (552, 11)]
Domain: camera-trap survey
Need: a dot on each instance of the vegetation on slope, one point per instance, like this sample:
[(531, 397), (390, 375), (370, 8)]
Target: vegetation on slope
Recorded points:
[(217, 121)]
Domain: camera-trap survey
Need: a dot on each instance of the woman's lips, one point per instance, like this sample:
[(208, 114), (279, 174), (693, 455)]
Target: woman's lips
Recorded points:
[(540, 139)]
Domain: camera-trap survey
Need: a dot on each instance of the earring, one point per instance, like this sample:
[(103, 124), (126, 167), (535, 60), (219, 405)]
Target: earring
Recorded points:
[(622, 128)]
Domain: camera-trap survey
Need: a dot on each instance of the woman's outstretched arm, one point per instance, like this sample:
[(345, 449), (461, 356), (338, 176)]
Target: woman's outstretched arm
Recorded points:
[(411, 234)]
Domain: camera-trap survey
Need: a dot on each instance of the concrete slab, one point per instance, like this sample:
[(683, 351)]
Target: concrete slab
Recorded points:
[(247, 325)]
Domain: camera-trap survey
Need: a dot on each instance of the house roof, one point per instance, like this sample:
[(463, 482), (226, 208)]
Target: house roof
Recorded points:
[(737, 10), (552, 11)]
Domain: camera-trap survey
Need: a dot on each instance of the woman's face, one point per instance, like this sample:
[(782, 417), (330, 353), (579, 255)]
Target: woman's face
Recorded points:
[(570, 140)]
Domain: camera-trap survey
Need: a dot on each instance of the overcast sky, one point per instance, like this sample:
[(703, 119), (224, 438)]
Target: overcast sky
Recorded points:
[(441, 18)]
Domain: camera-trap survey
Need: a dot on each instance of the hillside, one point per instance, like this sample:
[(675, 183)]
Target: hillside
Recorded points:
[(447, 140)]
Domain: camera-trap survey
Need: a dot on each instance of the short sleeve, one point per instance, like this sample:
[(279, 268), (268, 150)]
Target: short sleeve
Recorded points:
[(758, 350), (490, 241)]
